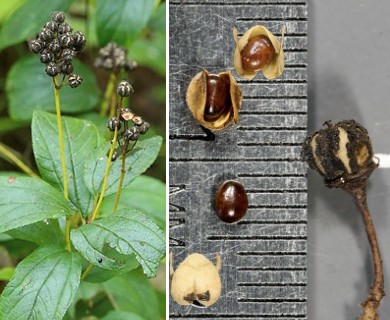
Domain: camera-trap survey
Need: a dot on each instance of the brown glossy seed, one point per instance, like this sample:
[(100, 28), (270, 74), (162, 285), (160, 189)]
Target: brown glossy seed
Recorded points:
[(217, 97), (257, 53), (231, 201)]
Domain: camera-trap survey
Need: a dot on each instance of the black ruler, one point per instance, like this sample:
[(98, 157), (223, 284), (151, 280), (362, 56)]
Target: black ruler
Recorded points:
[(264, 255)]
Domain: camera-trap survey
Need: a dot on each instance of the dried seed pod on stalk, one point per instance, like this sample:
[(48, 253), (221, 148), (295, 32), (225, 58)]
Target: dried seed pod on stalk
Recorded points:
[(258, 50), (214, 100), (343, 155)]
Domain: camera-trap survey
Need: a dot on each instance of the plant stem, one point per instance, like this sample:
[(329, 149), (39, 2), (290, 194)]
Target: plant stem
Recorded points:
[(86, 272), (62, 156), (376, 293), (9, 155), (60, 136), (123, 172), (108, 95), (108, 167)]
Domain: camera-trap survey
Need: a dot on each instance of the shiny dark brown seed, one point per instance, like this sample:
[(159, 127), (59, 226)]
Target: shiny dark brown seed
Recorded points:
[(257, 53), (231, 201), (217, 97)]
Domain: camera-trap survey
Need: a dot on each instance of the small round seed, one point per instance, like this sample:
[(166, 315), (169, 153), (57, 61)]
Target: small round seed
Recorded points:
[(257, 53), (52, 69), (58, 16), (37, 46), (231, 201)]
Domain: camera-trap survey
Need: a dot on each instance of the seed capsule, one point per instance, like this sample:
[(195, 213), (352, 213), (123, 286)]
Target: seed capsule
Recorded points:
[(196, 281), (231, 201), (46, 56), (79, 40), (144, 127), (67, 68), (214, 100), (113, 123), (52, 25), (126, 114), (132, 134), (52, 69), (74, 80), (341, 153), (36, 46), (124, 89), (54, 46), (46, 35), (67, 55), (66, 40), (258, 49), (64, 28), (58, 16)]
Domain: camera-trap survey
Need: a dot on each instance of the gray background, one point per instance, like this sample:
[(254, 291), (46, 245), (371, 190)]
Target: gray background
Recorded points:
[(349, 77)]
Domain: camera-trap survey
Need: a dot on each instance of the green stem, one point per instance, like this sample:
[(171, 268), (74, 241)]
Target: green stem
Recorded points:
[(108, 167), (123, 172), (106, 103), (60, 136), (9, 155), (62, 156), (86, 272)]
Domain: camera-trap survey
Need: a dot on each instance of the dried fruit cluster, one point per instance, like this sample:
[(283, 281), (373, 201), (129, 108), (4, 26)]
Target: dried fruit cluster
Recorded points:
[(114, 58), (58, 46), (126, 116)]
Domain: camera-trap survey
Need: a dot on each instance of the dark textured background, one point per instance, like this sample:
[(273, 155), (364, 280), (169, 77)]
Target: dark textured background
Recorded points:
[(264, 255)]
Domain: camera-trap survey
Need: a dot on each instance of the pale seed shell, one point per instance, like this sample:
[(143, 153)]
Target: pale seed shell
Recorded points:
[(271, 71), (196, 101)]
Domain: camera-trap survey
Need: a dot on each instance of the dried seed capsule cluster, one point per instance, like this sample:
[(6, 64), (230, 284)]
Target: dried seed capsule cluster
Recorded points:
[(58, 46), (114, 58), (127, 118)]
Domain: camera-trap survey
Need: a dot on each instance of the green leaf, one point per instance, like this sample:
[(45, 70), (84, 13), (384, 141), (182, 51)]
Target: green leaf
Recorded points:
[(6, 273), (97, 274), (129, 232), (145, 194), (8, 7), (43, 287), (42, 232), (133, 292), (28, 88), (25, 201), (121, 315), (150, 51), (121, 21), (27, 20), (137, 161), (80, 138)]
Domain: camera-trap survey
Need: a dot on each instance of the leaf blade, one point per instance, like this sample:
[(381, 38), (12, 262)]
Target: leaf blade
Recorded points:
[(137, 162), (129, 232), (27, 81), (43, 286), (80, 137), (43, 201), (26, 21), (123, 21)]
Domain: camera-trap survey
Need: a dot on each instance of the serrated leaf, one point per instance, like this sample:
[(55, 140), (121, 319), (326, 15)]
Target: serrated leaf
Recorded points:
[(27, 20), (28, 88), (121, 21), (43, 287), (137, 161), (145, 194), (127, 231), (80, 138), (133, 292), (42, 232), (24, 201)]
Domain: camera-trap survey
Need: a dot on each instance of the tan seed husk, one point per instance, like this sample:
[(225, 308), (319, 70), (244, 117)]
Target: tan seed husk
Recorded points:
[(196, 101)]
